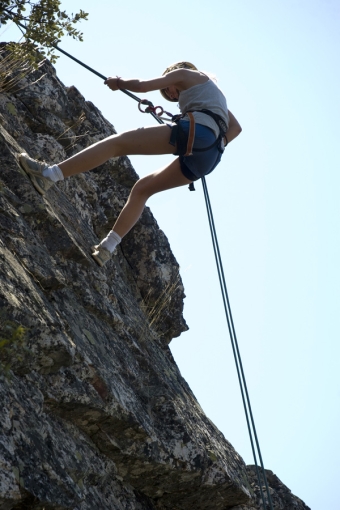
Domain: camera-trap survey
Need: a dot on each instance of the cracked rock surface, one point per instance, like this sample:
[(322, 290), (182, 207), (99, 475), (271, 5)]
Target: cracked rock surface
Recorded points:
[(95, 413)]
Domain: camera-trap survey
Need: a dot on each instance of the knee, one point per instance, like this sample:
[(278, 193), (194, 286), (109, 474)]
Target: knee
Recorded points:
[(142, 188)]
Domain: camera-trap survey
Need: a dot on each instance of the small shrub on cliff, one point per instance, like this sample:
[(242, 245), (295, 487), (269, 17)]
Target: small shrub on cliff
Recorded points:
[(13, 68), (156, 311), (42, 24)]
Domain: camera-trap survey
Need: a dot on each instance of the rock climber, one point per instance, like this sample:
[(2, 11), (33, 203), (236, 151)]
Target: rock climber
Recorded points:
[(198, 137)]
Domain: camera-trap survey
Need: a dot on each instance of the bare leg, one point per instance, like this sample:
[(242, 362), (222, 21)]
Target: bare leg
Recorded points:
[(169, 177), (149, 140)]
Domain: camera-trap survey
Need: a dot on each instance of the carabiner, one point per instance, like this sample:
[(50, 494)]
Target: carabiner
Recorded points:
[(155, 108), (146, 102)]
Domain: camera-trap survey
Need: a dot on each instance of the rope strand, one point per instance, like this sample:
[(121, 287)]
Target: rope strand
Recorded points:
[(235, 348)]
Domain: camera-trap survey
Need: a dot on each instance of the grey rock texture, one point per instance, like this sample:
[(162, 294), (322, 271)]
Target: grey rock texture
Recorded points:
[(95, 413), (281, 496)]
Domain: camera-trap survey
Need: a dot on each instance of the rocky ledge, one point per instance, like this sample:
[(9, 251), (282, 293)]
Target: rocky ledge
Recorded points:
[(95, 413)]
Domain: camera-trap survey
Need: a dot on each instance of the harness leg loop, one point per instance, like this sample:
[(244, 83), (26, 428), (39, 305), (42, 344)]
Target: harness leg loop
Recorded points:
[(191, 136)]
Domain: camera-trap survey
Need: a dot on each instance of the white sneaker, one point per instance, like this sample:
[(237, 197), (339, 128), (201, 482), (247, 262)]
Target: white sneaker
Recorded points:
[(34, 169), (101, 255)]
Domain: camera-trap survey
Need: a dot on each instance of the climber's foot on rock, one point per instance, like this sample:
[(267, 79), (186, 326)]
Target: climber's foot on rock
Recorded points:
[(35, 169), (101, 255)]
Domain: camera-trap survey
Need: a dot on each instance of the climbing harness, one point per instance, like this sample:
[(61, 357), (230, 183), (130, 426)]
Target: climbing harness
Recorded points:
[(184, 142), (153, 110), (189, 140)]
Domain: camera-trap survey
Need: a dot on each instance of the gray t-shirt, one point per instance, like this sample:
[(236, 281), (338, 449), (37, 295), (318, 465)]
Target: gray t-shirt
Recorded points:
[(204, 96)]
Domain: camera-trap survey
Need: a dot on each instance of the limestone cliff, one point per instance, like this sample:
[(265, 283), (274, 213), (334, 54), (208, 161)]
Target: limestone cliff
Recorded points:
[(95, 413)]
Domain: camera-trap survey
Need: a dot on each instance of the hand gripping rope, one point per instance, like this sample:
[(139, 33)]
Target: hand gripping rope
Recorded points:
[(157, 112)]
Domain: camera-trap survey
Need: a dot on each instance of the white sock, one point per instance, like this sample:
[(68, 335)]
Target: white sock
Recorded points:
[(111, 241), (53, 173)]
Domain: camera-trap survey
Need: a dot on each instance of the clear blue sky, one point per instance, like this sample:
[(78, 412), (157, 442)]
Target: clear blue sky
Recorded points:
[(276, 206)]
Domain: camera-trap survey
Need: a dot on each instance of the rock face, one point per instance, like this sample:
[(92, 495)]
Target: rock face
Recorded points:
[(95, 413)]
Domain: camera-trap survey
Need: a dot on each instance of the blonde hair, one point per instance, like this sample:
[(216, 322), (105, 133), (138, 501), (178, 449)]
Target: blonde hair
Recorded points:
[(173, 67)]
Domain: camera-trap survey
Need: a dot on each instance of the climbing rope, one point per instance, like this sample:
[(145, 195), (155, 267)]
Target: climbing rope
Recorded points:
[(157, 112), (236, 351)]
